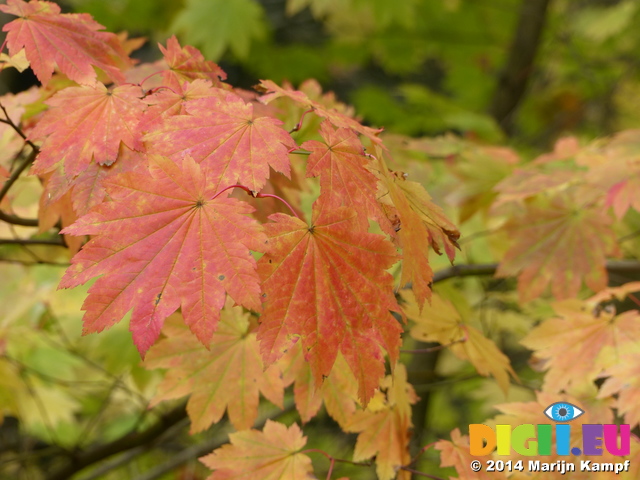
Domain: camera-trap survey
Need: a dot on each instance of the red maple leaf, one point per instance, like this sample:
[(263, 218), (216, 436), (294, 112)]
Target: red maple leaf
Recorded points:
[(87, 122), (326, 284), (335, 116), (164, 242), (345, 176), (72, 42), (223, 132), (187, 64), (166, 102)]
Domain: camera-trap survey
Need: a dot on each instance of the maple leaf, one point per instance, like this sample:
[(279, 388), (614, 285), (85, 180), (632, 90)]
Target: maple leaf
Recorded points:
[(187, 64), (620, 293), (161, 243), (439, 321), (560, 243), (326, 284), (59, 210), (89, 187), (455, 453), (222, 131), (614, 168), (72, 42), (339, 391), (623, 380), (581, 343), (420, 222), (384, 429), (331, 113), (228, 375), (165, 102), (345, 176), (271, 454), (87, 123)]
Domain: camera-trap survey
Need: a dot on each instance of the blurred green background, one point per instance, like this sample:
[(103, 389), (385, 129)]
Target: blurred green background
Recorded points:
[(516, 72)]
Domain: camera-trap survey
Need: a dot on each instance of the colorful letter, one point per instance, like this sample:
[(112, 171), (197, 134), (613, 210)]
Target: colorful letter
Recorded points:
[(524, 440), (592, 439), (478, 434), (611, 443)]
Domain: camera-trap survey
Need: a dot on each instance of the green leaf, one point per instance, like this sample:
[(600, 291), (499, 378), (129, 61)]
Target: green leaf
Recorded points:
[(218, 25)]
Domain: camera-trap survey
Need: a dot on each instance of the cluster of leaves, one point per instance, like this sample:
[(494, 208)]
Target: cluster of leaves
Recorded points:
[(311, 279)]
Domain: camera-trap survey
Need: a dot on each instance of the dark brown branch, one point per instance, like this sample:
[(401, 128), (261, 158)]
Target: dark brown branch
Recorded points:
[(18, 130), (516, 73), (14, 219), (82, 459), (195, 451), (30, 241), (613, 266)]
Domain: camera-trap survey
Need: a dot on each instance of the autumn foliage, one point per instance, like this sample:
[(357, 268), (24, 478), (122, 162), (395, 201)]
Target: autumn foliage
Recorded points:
[(268, 239)]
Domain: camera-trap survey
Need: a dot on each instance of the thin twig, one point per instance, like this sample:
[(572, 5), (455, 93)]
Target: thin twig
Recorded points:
[(18, 130), (31, 241), (14, 219)]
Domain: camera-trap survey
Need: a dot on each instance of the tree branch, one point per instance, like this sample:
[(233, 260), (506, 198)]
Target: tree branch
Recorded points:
[(18, 130), (82, 459), (30, 241), (515, 75), (14, 219), (612, 266)]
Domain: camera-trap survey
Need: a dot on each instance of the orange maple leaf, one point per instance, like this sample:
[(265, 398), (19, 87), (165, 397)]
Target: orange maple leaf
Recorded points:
[(439, 321), (87, 123), (326, 285), (72, 42), (420, 223), (580, 344), (271, 454), (455, 453), (228, 375), (623, 380), (164, 242), (222, 131)]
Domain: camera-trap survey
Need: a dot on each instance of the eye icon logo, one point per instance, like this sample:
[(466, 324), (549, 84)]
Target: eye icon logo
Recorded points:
[(563, 412)]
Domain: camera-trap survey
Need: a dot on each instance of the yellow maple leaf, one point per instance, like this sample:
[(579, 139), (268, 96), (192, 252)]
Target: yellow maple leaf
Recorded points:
[(384, 427), (441, 322)]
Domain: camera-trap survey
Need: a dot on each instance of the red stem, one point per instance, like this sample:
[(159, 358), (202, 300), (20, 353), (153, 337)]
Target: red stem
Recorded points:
[(149, 76), (256, 195), (634, 298), (160, 87), (299, 124)]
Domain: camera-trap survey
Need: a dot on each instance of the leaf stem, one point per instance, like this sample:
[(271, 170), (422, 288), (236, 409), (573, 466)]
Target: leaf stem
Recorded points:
[(149, 76), (299, 124), (256, 195), (297, 151)]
